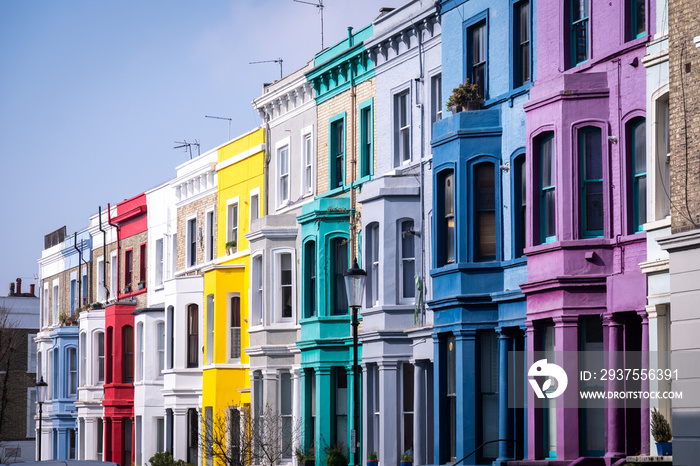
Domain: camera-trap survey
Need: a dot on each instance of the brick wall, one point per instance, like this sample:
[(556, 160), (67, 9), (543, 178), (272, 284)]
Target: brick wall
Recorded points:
[(684, 114), (18, 380), (199, 207), (134, 243), (95, 273)]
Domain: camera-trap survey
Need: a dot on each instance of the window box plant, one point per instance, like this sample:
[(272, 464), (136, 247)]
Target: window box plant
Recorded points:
[(372, 459), (142, 285), (231, 247), (97, 305), (406, 460), (305, 457), (465, 97), (335, 455), (661, 430), (127, 288)]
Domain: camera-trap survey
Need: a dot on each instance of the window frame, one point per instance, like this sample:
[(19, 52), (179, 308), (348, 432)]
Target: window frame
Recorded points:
[(636, 223), (233, 203), (574, 24), (474, 164), (470, 26), (445, 222), (190, 245), (307, 161), (310, 279), (538, 142), (402, 260), (518, 164), (335, 280), (333, 182), (436, 104), (192, 342), (518, 43), (405, 156), (658, 158), (125, 352), (143, 263), (72, 382), (579, 138), (284, 197), (257, 296), (632, 19), (99, 359), (366, 110), (159, 256), (277, 271), (230, 327), (210, 234), (253, 209), (372, 248)]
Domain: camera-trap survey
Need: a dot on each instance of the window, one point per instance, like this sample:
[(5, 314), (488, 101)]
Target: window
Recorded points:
[(446, 218), (128, 354), (232, 236), (84, 294), (109, 369), (173, 257), (407, 405), (209, 332), (341, 404), (435, 99), (579, 31), (100, 337), (140, 369), (283, 174), (519, 205), (39, 366), (160, 335), (101, 279), (142, 263), (485, 211), (55, 302), (451, 394), (337, 152), (545, 148), (72, 372), (663, 157), (636, 149), (339, 251), (128, 269), (372, 249), (209, 251), (521, 35), (160, 434), (366, 138), (235, 320), (284, 278), (286, 413), (256, 285), (310, 279), (31, 353), (126, 436), (408, 261), (402, 128), (113, 275), (192, 242), (192, 435), (308, 164), (476, 35), (71, 444), (83, 357), (138, 424), (31, 412), (637, 18), (171, 336), (73, 294), (254, 207), (100, 438), (591, 169), (192, 335), (159, 262), (45, 305)]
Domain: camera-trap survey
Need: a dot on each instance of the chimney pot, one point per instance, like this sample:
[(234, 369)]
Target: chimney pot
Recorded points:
[(19, 286), (12, 289), (31, 289)]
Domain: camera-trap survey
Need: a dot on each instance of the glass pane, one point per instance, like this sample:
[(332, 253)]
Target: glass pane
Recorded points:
[(642, 199), (550, 213), (487, 235), (640, 148), (409, 272), (449, 194), (594, 205), (639, 17), (547, 162), (524, 22), (581, 41), (579, 9), (592, 151), (407, 240)]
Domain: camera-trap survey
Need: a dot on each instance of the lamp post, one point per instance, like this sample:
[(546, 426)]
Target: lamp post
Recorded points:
[(355, 288), (41, 387)]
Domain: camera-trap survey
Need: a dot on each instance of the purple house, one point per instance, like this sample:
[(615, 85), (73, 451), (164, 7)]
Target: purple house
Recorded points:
[(585, 127)]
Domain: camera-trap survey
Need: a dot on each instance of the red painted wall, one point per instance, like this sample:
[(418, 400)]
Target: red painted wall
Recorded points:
[(118, 395), (131, 216)]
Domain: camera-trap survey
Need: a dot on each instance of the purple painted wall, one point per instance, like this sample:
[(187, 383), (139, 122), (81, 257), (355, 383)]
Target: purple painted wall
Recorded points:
[(574, 276)]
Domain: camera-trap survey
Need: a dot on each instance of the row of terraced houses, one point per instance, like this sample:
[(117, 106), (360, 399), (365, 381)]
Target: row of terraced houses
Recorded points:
[(560, 216)]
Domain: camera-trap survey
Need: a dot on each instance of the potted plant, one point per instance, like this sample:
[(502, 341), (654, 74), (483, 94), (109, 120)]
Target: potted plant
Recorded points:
[(372, 459), (406, 460), (97, 305), (661, 430), (142, 284), (305, 457), (465, 97), (335, 455), (231, 247), (63, 317), (127, 288)]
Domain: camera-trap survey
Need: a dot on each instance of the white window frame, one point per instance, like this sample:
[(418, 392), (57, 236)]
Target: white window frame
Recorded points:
[(280, 146), (160, 351), (229, 341), (307, 162), (401, 260), (82, 352), (84, 296), (277, 284), (159, 262), (436, 104), (56, 295), (254, 193), (113, 275), (258, 282), (657, 154), (31, 353), (31, 412), (96, 351), (229, 225), (70, 376), (209, 235), (404, 91), (74, 298), (100, 279), (139, 368), (373, 263), (45, 306), (189, 262)]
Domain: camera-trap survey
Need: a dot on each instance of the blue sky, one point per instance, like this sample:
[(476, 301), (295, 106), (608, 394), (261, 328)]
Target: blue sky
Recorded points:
[(94, 94)]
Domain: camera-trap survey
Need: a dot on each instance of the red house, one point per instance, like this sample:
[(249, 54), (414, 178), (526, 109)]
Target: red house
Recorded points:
[(130, 255)]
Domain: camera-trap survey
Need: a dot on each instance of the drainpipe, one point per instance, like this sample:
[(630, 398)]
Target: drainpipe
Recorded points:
[(353, 159), (266, 165), (80, 275), (104, 258), (109, 221), (421, 317)]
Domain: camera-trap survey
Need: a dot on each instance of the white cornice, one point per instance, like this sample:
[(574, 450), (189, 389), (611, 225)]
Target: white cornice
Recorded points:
[(238, 157)]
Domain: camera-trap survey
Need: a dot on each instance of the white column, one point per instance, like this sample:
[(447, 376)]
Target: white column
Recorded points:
[(389, 398), (419, 421), (296, 411)]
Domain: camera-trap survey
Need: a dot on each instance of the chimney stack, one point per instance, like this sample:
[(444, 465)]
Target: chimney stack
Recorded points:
[(12, 289), (19, 286), (31, 289)]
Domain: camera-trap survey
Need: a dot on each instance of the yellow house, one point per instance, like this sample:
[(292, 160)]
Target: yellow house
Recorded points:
[(226, 376)]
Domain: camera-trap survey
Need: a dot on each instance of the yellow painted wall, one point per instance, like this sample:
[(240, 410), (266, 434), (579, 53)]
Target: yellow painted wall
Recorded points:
[(225, 382)]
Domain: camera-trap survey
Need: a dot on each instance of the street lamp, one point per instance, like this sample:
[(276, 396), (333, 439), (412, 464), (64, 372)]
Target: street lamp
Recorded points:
[(355, 288), (41, 387)]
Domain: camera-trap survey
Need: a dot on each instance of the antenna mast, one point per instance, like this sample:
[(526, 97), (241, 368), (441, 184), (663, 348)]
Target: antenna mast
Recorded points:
[(187, 145), (318, 5), (279, 60), (222, 118)]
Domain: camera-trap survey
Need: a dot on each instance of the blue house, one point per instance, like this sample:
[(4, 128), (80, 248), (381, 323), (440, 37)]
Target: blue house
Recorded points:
[(478, 235)]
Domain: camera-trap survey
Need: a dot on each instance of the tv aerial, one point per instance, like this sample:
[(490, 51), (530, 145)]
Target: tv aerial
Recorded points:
[(279, 60), (187, 146), (318, 5)]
